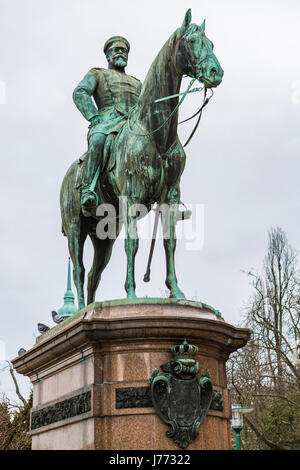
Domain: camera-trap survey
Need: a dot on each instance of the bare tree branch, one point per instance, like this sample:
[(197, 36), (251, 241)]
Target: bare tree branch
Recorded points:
[(264, 374), (269, 443), (20, 396)]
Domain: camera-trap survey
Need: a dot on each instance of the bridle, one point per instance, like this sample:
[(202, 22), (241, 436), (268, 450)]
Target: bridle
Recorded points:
[(183, 96)]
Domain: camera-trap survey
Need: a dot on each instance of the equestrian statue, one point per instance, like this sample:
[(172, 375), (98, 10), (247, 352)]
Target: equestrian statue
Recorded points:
[(134, 155)]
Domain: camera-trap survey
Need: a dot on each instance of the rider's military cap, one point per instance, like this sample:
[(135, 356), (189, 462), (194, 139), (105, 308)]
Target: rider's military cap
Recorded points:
[(117, 41)]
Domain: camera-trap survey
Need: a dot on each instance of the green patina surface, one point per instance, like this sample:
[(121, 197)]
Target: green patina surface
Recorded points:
[(120, 302), (69, 308), (133, 145), (155, 301)]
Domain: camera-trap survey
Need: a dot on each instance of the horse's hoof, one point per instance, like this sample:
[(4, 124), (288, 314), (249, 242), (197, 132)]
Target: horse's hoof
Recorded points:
[(177, 295), (131, 295)]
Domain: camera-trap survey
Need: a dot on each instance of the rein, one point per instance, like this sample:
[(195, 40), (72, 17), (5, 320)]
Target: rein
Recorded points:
[(174, 110), (188, 90), (205, 102), (184, 94)]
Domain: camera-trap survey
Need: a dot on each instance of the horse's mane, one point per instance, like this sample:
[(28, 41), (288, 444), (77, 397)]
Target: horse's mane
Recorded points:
[(160, 64)]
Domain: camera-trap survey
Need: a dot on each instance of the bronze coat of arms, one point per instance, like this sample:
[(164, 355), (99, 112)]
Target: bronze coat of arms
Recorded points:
[(179, 397)]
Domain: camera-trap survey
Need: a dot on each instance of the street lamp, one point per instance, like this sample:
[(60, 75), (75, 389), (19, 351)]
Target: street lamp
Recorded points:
[(237, 422)]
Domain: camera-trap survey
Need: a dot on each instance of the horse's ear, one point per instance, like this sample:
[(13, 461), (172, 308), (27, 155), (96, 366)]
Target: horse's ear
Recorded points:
[(187, 20), (202, 27)]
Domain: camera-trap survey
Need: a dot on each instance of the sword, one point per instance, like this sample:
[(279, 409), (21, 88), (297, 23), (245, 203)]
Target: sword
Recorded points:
[(147, 274), (95, 179)]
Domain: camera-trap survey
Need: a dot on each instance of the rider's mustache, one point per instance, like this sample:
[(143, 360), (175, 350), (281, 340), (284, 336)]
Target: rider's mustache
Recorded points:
[(119, 56)]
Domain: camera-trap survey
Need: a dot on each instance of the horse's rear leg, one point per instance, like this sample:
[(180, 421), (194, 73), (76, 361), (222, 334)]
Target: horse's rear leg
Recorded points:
[(102, 254), (76, 243)]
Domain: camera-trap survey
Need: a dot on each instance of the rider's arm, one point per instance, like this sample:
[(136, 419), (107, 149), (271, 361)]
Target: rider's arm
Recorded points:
[(82, 95)]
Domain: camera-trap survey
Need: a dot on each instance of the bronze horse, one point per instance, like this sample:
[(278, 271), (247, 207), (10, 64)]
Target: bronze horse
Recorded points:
[(146, 162)]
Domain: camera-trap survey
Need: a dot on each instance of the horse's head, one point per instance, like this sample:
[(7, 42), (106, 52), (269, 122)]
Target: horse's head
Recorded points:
[(194, 56)]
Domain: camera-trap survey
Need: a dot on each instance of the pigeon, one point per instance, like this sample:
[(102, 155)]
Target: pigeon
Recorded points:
[(43, 328), (21, 351), (56, 317)]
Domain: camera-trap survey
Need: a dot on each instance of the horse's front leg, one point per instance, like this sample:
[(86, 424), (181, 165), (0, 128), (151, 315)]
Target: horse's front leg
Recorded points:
[(169, 235), (131, 247)]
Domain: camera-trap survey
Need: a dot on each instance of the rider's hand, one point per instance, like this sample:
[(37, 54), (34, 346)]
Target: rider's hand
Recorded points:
[(95, 120)]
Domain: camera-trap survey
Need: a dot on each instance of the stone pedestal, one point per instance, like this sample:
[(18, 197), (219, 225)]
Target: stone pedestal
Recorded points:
[(90, 374)]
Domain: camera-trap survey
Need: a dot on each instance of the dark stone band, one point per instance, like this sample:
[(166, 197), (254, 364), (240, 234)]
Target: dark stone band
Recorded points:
[(133, 397), (140, 397), (65, 409)]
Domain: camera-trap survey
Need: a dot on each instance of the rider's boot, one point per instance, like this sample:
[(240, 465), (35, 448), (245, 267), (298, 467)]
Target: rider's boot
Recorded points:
[(88, 200)]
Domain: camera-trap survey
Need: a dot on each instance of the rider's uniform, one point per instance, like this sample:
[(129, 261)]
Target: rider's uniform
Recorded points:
[(114, 94)]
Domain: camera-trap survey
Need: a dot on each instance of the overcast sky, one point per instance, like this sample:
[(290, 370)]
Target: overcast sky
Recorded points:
[(242, 164)]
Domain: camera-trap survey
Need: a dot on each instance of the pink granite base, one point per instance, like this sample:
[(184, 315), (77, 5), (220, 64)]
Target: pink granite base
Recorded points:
[(110, 346)]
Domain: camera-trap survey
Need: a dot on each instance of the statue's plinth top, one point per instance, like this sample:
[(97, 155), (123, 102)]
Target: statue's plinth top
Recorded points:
[(126, 320), (134, 308)]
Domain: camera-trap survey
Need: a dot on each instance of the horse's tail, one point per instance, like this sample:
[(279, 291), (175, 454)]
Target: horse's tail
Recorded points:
[(69, 198)]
